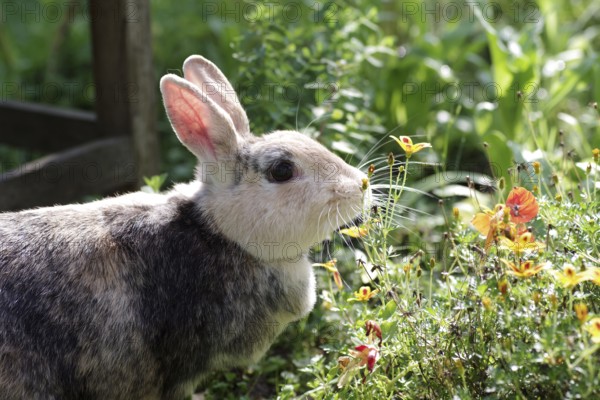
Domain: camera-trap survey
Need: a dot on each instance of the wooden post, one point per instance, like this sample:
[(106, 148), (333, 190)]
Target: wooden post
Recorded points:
[(124, 76)]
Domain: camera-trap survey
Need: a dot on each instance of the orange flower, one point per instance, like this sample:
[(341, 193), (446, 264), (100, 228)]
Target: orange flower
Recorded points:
[(407, 145), (523, 205), (526, 269), (488, 223), (505, 220), (484, 221)]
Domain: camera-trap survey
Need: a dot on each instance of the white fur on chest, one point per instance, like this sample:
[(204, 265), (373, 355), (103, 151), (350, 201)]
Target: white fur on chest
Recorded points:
[(299, 285)]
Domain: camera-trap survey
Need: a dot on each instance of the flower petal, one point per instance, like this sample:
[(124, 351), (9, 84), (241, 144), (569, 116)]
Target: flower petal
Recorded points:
[(403, 141), (337, 278), (482, 222), (523, 205), (371, 359), (354, 232)]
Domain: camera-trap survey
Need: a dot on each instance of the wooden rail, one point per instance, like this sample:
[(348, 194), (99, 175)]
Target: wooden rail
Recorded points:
[(100, 167), (98, 152), (45, 128)]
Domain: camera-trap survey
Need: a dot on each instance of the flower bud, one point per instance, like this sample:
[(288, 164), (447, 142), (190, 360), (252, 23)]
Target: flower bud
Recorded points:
[(371, 170), (391, 159), (486, 302), (503, 286), (373, 328), (365, 184), (501, 183)]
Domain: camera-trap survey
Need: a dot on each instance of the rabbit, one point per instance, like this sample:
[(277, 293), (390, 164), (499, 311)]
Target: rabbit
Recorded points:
[(141, 296)]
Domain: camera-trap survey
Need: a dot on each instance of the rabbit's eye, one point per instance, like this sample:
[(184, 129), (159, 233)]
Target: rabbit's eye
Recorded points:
[(281, 171)]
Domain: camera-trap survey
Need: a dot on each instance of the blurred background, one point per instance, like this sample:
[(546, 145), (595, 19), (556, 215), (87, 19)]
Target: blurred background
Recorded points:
[(453, 73)]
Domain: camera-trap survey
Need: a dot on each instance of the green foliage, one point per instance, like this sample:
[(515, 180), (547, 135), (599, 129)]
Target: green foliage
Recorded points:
[(154, 183), (457, 324), (312, 72)]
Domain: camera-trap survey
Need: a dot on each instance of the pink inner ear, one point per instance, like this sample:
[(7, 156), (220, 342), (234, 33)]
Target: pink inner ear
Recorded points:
[(191, 122)]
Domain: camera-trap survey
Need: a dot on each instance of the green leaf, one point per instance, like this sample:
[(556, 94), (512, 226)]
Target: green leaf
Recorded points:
[(154, 183), (388, 310)]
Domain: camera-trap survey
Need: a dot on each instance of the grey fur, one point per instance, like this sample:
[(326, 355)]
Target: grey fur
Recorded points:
[(141, 296), (104, 305)]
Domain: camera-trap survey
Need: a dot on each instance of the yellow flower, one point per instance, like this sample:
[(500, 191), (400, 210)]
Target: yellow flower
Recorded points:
[(593, 328), (330, 266), (355, 231), (486, 302), (592, 274), (364, 294), (503, 287), (489, 222), (522, 244), (581, 310), (524, 269), (596, 154), (569, 277), (407, 145)]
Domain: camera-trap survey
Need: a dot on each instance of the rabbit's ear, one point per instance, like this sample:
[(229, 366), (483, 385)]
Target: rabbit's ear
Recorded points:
[(213, 83), (200, 124)]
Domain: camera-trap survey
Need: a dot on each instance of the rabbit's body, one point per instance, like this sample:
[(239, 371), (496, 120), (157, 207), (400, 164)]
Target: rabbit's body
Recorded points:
[(131, 278), (140, 296)]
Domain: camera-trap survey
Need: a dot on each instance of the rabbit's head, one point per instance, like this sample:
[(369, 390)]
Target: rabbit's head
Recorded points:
[(275, 195)]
